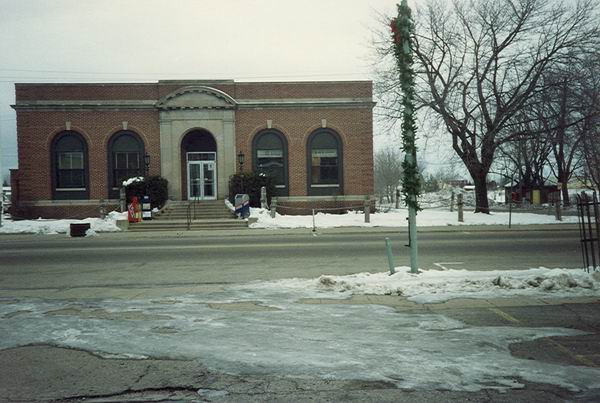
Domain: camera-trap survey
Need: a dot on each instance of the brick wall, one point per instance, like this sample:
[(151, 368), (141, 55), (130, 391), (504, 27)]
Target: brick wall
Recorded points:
[(331, 89), (36, 131), (85, 92), (355, 127)]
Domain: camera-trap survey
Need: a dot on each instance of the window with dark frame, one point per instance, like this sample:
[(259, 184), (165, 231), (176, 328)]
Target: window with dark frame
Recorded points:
[(324, 153), (324, 166), (70, 172), (270, 157), (125, 165), (126, 152)]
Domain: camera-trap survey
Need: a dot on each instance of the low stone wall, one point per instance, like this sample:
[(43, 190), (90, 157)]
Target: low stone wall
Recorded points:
[(332, 204), (76, 211)]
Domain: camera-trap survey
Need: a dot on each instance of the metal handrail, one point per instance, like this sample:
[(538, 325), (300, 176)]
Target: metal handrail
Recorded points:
[(191, 211)]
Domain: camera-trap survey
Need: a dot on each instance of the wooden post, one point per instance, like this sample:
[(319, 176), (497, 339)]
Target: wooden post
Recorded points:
[(263, 197), (367, 207), (273, 207), (459, 204)]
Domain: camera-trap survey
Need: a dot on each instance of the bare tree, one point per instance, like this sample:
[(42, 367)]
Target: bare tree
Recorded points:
[(388, 173), (480, 61)]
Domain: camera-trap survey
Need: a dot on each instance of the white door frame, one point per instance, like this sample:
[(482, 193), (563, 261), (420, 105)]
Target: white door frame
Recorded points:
[(202, 164)]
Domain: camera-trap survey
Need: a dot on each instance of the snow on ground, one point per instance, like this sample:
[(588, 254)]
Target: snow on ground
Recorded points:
[(330, 341), (397, 218), (42, 226)]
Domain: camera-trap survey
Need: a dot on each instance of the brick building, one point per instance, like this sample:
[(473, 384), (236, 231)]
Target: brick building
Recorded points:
[(76, 142)]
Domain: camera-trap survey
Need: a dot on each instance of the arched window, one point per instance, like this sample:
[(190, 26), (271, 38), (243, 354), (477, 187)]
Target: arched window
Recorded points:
[(69, 164), (269, 150), (324, 163), (125, 153)]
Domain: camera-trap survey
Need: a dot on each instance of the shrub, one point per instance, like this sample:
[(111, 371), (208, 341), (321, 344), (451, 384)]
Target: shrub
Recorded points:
[(155, 187), (250, 182)]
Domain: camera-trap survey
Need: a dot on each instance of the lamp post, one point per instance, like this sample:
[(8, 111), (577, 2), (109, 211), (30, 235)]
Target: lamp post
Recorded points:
[(241, 158), (146, 164)]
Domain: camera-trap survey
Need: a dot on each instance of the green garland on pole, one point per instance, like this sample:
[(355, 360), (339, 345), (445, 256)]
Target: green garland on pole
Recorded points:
[(402, 31)]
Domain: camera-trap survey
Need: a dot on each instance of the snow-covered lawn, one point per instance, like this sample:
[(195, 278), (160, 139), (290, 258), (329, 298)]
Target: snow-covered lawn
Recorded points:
[(397, 218), (42, 226)]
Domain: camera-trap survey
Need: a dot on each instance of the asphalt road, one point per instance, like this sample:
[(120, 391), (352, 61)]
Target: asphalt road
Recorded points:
[(201, 258), (60, 297)]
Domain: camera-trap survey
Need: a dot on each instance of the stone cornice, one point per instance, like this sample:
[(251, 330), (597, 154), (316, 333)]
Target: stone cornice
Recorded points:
[(111, 105), (306, 103), (150, 104)]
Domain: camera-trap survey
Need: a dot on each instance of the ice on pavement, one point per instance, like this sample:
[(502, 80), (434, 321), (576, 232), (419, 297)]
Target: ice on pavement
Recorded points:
[(331, 341)]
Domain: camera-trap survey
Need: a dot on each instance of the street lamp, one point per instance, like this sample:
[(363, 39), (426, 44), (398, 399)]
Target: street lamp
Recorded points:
[(146, 164), (241, 158)]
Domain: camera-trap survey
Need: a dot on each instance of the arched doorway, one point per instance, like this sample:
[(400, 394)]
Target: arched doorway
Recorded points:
[(199, 166)]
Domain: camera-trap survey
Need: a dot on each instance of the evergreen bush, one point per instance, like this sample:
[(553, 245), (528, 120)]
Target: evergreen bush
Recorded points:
[(155, 187), (250, 183)]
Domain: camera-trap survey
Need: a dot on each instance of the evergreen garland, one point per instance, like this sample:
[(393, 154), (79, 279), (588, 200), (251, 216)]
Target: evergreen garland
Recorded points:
[(402, 31)]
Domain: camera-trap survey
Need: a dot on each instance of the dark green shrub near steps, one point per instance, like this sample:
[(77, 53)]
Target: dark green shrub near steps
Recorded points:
[(250, 182), (155, 187)]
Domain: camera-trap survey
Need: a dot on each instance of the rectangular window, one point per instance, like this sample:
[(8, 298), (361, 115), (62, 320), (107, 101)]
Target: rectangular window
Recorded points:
[(70, 172), (270, 163), (126, 165), (324, 166)]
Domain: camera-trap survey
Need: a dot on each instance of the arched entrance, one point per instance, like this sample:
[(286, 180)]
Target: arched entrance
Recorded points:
[(199, 166)]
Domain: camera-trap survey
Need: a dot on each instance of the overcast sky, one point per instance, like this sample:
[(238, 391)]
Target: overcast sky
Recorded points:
[(147, 40)]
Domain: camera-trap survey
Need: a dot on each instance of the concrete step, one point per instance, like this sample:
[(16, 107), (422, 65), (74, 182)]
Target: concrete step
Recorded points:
[(181, 225), (201, 210)]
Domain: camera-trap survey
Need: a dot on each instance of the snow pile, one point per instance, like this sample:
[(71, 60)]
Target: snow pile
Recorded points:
[(133, 180), (48, 227), (434, 286), (229, 205), (397, 218)]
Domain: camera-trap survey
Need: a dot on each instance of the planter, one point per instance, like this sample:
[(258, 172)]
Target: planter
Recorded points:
[(79, 229)]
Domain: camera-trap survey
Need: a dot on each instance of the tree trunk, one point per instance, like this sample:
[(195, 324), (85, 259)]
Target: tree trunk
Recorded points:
[(481, 196), (565, 193)]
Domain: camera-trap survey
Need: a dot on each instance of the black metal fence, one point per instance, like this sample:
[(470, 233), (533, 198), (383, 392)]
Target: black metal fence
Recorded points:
[(588, 210)]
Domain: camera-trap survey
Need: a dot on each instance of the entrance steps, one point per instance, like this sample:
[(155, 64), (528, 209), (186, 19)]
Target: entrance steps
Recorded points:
[(205, 215)]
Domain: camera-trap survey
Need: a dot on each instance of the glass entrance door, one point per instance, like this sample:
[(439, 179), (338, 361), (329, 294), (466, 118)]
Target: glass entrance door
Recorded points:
[(202, 176)]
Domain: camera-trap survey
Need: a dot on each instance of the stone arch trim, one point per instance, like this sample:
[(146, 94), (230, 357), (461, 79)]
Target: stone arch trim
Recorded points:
[(130, 128), (312, 129), (229, 102)]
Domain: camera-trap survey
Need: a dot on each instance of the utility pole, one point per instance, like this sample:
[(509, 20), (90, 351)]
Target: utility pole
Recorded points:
[(402, 30)]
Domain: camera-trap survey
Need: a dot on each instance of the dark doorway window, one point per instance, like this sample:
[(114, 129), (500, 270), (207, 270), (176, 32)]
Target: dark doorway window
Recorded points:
[(125, 153), (199, 177), (324, 163), (69, 165), (270, 158)]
